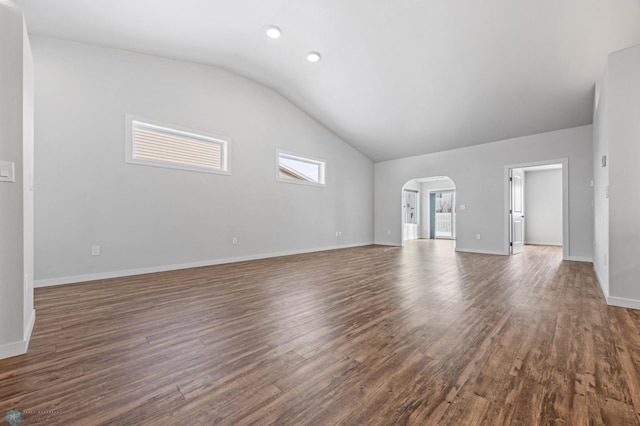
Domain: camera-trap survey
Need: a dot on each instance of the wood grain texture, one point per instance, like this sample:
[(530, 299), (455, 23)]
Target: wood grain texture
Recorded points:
[(372, 335)]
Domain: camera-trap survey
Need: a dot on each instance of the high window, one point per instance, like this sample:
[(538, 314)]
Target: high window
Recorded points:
[(297, 169), (154, 144)]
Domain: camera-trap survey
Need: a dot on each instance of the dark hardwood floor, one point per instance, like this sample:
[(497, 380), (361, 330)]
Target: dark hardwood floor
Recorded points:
[(363, 336)]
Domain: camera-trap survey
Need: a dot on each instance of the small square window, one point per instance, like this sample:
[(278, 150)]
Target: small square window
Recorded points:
[(154, 144), (293, 168)]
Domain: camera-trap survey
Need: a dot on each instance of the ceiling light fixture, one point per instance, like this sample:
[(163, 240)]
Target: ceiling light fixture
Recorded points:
[(313, 57), (274, 32)]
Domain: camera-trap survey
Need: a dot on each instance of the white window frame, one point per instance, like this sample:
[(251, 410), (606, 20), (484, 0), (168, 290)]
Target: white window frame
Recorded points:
[(131, 121), (407, 206), (305, 158)]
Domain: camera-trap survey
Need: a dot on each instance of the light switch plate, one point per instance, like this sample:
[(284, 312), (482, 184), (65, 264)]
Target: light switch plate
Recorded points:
[(7, 171)]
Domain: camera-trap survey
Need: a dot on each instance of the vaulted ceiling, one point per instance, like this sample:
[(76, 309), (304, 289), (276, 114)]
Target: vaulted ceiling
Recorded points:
[(397, 77)]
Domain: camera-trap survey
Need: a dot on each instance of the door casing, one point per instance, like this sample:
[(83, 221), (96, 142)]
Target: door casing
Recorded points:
[(566, 242)]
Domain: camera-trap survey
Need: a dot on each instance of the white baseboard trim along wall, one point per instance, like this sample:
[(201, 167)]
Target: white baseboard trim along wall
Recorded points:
[(116, 274), (623, 303), (479, 251), (20, 347), (579, 259)]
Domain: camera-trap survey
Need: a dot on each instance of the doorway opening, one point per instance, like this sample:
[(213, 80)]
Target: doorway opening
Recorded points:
[(428, 209), (537, 210), (442, 215)]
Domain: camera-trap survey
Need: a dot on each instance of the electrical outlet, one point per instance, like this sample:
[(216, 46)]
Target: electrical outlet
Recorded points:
[(234, 240), (95, 250), (477, 236)]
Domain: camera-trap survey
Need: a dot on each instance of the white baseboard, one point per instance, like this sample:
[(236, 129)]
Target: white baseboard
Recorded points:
[(29, 328), (20, 347), (9, 350), (544, 243), (480, 251), (387, 244), (615, 301), (623, 303), (605, 290), (579, 259), (149, 270)]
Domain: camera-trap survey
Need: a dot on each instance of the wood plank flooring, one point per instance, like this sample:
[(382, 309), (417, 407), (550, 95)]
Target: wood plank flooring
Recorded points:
[(365, 336)]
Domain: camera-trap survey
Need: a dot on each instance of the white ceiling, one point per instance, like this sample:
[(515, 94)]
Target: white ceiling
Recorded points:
[(397, 77)]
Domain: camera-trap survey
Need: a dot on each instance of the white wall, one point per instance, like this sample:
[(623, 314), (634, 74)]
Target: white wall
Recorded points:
[(543, 207), (16, 228), (149, 218), (624, 176), (481, 184), (601, 182)]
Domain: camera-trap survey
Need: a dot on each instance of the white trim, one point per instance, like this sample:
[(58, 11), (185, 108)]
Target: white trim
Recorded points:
[(543, 243), (152, 269), (388, 244), (480, 251), (12, 349), (579, 259), (623, 303), (9, 350), (29, 328), (605, 291)]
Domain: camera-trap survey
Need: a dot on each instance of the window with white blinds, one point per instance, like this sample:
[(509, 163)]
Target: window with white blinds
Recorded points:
[(153, 144)]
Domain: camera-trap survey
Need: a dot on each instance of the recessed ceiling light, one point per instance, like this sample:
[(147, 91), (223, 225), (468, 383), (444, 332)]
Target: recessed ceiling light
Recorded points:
[(274, 32), (313, 57)]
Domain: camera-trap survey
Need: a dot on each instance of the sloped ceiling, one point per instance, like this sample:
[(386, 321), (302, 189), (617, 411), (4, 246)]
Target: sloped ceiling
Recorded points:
[(397, 77)]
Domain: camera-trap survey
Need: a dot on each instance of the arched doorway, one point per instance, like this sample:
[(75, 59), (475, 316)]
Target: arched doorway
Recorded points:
[(429, 208)]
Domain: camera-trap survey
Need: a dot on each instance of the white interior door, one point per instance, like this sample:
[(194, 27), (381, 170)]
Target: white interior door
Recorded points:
[(517, 211)]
